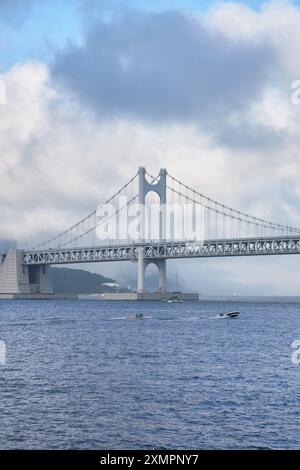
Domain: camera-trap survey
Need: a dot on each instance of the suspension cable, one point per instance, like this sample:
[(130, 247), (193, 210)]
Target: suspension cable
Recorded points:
[(87, 217), (240, 213)]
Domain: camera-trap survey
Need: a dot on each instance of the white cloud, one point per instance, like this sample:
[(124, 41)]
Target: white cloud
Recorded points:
[(276, 23), (58, 160)]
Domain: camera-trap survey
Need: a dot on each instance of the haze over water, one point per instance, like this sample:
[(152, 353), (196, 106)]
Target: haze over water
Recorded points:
[(79, 375)]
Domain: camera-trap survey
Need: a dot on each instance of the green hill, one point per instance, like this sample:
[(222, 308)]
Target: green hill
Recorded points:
[(78, 281)]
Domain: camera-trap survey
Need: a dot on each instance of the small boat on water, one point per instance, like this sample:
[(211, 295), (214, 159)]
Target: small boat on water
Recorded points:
[(136, 316), (229, 314)]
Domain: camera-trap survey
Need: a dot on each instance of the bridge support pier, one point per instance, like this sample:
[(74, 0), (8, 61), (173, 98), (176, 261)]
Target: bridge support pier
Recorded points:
[(162, 267), (17, 278), (141, 270), (142, 266)]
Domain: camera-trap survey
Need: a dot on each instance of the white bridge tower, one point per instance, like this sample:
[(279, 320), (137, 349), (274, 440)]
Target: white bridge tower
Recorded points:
[(160, 188)]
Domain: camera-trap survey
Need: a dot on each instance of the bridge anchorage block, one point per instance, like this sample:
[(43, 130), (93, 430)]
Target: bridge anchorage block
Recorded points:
[(21, 280)]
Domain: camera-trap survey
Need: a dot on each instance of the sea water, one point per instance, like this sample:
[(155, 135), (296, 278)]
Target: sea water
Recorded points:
[(80, 375)]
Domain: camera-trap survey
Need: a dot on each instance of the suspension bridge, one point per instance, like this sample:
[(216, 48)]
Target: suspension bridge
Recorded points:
[(224, 232)]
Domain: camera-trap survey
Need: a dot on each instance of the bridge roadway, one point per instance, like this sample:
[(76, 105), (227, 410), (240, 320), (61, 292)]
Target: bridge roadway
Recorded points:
[(166, 250)]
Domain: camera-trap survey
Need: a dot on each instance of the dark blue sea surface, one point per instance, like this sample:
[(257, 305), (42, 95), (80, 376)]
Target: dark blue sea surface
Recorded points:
[(80, 375)]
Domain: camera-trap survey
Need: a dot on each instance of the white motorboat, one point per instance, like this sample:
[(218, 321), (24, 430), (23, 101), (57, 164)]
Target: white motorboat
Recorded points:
[(229, 314)]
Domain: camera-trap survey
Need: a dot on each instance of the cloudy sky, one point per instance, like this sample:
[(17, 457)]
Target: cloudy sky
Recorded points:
[(94, 89)]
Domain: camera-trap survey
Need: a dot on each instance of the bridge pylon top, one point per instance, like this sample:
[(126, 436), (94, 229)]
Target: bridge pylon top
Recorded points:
[(158, 185)]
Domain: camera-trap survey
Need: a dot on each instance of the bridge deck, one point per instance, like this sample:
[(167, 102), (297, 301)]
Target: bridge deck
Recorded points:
[(167, 250)]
